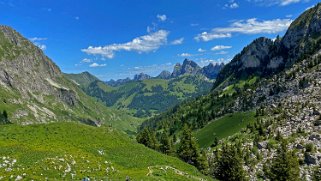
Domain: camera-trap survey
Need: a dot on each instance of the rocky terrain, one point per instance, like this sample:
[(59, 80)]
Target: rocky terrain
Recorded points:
[(34, 90), (281, 81)]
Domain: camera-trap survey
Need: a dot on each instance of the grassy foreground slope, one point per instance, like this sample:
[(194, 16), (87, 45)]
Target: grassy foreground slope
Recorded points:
[(224, 127), (66, 151)]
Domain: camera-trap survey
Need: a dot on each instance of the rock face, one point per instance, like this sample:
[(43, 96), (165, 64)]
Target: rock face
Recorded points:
[(263, 57), (188, 67), (211, 70), (164, 75), (25, 68), (141, 76), (303, 34), (34, 90)]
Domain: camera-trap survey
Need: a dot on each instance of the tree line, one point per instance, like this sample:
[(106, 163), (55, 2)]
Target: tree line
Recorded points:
[(187, 149)]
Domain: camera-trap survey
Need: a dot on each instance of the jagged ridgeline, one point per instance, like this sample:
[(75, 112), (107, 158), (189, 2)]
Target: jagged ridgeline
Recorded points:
[(262, 118), (144, 95), (33, 89), (261, 59)]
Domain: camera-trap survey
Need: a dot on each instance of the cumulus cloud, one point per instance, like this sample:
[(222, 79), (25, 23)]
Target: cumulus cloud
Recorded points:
[(185, 55), (249, 26), (178, 41), (201, 50), (94, 65), (142, 44), (208, 36), (162, 17), (220, 47), (276, 2), (38, 42), (231, 5), (86, 60), (37, 39)]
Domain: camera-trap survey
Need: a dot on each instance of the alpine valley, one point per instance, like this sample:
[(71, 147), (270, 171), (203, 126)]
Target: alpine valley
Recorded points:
[(255, 117)]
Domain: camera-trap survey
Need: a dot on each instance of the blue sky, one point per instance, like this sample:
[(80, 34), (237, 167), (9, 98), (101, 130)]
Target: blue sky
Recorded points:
[(119, 38)]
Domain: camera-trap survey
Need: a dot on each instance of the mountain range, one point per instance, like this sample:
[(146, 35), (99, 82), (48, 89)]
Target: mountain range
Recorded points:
[(188, 67), (145, 96)]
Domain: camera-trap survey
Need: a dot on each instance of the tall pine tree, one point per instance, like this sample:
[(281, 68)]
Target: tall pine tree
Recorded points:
[(166, 144), (189, 152), (227, 165), (285, 165)]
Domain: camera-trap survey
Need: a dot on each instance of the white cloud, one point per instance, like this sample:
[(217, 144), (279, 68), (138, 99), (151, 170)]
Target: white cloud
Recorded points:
[(253, 26), (37, 41), (86, 60), (276, 2), (94, 65), (194, 24), (185, 55), (231, 4), (201, 50), (220, 47), (161, 17), (205, 36), (142, 44), (178, 41), (249, 26), (41, 46)]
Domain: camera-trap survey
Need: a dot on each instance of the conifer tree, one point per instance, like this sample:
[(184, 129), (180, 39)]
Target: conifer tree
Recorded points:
[(166, 144), (228, 165), (188, 150), (285, 165), (147, 138)]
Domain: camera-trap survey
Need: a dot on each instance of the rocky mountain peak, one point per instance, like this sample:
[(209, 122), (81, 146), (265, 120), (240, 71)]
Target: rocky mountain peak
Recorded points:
[(211, 70), (26, 70), (164, 75), (188, 67), (304, 33), (141, 76)]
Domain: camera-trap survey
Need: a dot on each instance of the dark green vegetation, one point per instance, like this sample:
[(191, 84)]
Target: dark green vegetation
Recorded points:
[(224, 127), (284, 166), (4, 119), (144, 97), (227, 164), (187, 149), (277, 79), (64, 151)]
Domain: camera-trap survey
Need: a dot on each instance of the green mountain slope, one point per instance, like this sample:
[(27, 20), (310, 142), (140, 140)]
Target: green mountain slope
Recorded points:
[(146, 97), (236, 82), (281, 81), (33, 89), (72, 151)]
